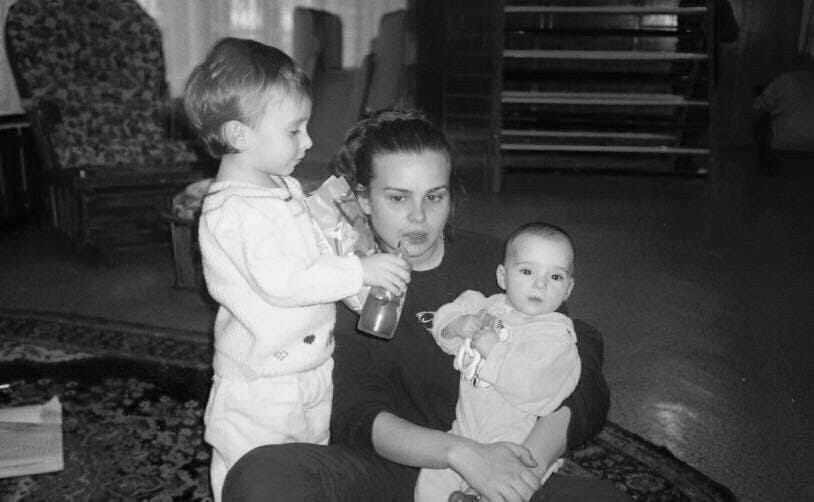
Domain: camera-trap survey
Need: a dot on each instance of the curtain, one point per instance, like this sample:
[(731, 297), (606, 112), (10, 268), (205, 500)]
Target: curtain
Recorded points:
[(190, 27), (9, 100)]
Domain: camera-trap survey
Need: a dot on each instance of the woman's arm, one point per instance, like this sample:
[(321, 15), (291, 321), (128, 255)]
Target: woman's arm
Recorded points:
[(590, 401), (361, 384), (497, 471), (547, 439)]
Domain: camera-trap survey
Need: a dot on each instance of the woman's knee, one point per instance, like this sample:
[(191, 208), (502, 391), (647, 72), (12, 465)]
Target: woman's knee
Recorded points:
[(278, 472), (560, 488)]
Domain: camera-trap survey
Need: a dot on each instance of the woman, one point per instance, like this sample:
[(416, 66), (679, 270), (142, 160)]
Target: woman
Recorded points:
[(395, 399)]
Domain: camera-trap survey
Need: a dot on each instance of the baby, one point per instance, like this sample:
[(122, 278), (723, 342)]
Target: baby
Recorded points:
[(517, 354)]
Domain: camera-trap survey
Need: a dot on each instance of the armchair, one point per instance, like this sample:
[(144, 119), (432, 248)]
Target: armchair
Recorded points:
[(91, 77)]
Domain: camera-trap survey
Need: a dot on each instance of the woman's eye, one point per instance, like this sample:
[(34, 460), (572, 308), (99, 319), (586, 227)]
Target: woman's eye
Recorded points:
[(397, 198), (437, 197), (294, 133)]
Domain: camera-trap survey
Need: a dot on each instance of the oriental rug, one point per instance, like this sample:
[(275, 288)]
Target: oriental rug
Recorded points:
[(133, 399)]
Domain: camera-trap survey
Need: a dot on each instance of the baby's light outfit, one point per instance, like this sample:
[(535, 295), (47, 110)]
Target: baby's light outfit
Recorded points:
[(524, 377)]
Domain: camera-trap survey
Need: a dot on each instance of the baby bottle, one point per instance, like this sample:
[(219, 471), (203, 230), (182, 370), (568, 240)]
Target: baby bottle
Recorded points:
[(382, 309)]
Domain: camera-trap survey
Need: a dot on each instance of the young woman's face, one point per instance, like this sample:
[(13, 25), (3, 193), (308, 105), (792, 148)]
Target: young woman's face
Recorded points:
[(408, 201)]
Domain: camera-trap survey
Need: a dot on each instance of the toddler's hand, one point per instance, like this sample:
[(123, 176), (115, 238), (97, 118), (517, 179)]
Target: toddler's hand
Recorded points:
[(464, 326), (386, 270)]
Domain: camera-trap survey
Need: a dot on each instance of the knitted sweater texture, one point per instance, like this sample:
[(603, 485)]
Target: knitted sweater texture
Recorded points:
[(276, 292)]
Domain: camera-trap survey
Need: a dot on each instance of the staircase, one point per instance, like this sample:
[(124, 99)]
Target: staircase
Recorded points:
[(605, 85)]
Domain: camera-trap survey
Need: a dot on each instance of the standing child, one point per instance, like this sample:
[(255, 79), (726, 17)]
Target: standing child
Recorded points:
[(250, 104), (517, 355)]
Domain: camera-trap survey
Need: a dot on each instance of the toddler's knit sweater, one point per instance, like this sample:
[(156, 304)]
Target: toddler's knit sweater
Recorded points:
[(276, 292)]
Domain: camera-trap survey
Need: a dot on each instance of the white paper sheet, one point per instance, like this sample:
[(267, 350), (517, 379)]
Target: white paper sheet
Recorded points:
[(31, 439)]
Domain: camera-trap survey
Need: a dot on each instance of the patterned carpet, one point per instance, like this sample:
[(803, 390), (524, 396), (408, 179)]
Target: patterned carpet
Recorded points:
[(133, 397)]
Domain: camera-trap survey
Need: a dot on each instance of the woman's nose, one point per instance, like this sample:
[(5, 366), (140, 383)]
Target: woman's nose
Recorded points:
[(417, 214)]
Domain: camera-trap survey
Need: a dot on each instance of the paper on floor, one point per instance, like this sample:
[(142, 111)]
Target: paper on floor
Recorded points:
[(31, 439)]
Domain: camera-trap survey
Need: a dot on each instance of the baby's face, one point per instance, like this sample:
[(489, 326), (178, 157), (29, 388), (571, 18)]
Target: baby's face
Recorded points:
[(536, 274)]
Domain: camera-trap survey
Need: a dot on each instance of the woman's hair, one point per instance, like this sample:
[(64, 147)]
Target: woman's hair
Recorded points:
[(235, 82), (389, 132)]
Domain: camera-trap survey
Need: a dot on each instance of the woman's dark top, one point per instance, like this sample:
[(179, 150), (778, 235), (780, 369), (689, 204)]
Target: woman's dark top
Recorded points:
[(411, 377)]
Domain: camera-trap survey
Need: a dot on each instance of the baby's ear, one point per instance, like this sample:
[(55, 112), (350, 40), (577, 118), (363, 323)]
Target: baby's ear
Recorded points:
[(238, 134), (501, 276), (570, 288)]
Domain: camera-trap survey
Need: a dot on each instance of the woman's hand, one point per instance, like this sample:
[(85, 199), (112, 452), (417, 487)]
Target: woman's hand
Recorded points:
[(499, 472)]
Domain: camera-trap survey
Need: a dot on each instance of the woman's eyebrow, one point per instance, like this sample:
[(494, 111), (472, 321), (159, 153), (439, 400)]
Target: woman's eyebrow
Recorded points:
[(407, 190)]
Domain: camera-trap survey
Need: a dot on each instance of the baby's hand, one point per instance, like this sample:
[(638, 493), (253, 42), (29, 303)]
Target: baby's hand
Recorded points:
[(386, 270), (484, 340), (464, 326)]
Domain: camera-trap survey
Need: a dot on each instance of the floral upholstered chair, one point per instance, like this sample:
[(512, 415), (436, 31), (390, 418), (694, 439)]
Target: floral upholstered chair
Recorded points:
[(92, 79)]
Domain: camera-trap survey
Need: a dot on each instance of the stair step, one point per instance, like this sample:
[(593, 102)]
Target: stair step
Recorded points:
[(605, 55), (604, 9), (599, 98), (588, 134), (538, 147)]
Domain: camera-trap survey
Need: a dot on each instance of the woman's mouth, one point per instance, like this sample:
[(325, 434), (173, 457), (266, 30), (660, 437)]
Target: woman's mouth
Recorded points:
[(416, 238)]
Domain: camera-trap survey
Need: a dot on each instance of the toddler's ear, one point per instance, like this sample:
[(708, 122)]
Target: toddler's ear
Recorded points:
[(501, 276), (239, 135)]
